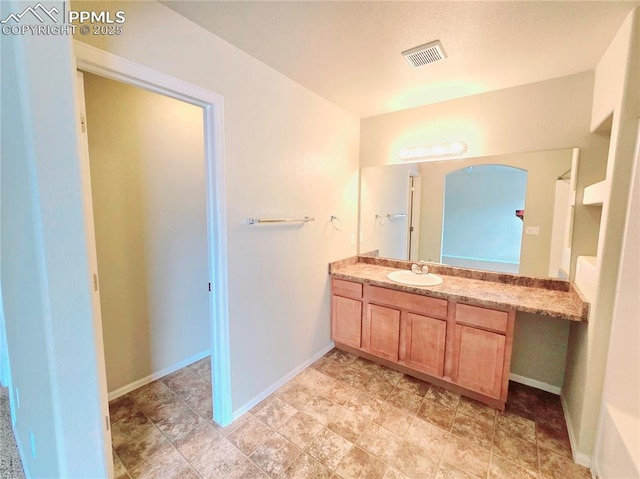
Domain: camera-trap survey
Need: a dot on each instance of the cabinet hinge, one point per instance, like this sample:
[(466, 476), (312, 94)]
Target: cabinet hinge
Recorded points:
[(95, 283), (209, 286), (107, 422), (83, 123)]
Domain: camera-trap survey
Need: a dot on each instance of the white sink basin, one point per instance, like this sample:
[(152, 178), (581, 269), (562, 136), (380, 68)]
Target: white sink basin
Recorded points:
[(404, 276)]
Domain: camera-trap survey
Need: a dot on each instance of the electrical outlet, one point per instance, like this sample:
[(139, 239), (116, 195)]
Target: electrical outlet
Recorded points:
[(532, 230)]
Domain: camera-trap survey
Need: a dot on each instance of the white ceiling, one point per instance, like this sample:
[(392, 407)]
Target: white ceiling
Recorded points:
[(350, 52)]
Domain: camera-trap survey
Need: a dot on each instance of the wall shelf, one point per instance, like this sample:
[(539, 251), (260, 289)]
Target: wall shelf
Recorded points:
[(594, 195)]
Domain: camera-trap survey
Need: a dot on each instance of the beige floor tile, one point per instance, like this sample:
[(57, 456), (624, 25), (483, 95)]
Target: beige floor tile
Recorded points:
[(553, 440), (202, 368), (413, 385), (348, 424), (119, 471), (359, 464), (161, 411), (167, 464), (447, 471), (122, 408), (393, 474), (151, 394), (516, 449), (275, 412), (466, 456), (182, 421), (130, 427), (306, 467), (443, 396), (553, 420), (405, 400), (436, 414), (515, 425), (471, 407), (378, 388), (340, 393), (431, 439), (356, 378), (184, 379), (219, 461), (555, 466), (329, 367), (477, 429), (365, 365), (321, 409), (202, 438), (300, 429), (328, 448), (502, 469), (137, 450), (250, 433), (198, 399), (246, 470), (296, 395), (393, 419), (341, 357), (389, 375), (380, 442), (412, 461), (364, 405), (275, 455)]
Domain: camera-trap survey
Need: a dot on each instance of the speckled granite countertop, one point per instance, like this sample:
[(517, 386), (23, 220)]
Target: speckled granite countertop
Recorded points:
[(554, 298)]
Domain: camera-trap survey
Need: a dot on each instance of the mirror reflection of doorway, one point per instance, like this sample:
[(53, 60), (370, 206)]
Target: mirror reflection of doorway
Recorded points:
[(480, 229)]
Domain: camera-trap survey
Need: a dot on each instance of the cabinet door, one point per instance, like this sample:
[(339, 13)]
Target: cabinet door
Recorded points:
[(425, 344), (346, 315), (384, 332), (479, 356)]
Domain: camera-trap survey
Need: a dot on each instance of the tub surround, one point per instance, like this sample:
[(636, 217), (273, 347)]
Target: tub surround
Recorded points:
[(545, 296)]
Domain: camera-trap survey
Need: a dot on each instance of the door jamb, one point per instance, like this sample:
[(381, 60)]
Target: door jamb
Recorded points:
[(93, 60)]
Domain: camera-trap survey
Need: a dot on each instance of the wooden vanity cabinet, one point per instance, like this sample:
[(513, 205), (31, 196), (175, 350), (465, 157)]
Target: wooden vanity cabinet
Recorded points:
[(464, 346), (346, 313), (482, 349)]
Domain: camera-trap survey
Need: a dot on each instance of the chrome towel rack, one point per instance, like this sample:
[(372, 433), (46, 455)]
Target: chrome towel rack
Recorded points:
[(255, 221), (398, 215)]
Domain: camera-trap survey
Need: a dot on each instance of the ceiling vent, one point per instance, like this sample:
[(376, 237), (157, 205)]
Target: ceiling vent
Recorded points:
[(425, 54)]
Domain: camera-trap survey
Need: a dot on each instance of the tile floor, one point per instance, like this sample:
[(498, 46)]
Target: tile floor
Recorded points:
[(343, 417)]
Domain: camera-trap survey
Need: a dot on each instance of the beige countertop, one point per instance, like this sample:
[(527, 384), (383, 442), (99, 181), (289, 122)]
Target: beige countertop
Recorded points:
[(554, 298)]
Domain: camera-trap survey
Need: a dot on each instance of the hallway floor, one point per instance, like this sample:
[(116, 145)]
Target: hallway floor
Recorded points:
[(343, 417)]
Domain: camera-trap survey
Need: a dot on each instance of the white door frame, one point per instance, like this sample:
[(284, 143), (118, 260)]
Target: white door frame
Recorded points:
[(93, 60)]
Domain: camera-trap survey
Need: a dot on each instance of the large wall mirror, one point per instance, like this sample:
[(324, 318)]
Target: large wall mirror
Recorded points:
[(508, 213)]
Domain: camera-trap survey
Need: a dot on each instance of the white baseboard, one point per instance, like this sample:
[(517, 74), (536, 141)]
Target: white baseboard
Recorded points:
[(157, 375), (534, 383), (275, 386), (579, 457)]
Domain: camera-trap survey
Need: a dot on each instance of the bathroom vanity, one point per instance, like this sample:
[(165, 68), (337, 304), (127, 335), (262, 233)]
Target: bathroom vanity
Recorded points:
[(457, 334)]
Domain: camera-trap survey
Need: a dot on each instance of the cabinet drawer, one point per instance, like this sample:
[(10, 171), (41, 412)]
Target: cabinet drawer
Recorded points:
[(348, 289), (433, 307), (482, 317)]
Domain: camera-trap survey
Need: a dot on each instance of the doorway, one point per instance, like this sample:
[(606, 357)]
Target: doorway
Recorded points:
[(92, 60), (481, 227)]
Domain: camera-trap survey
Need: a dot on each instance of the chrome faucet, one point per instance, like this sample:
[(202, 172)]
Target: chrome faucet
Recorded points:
[(420, 267)]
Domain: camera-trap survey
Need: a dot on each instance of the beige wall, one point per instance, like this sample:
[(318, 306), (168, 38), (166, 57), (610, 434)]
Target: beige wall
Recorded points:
[(148, 185), (549, 115), (616, 91), (288, 152), (543, 168)]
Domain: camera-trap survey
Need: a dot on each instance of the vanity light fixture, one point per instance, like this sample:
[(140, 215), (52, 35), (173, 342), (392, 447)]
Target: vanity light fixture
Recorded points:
[(433, 152)]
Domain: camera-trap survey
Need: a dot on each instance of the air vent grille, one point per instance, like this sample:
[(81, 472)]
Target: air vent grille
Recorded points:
[(425, 54)]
